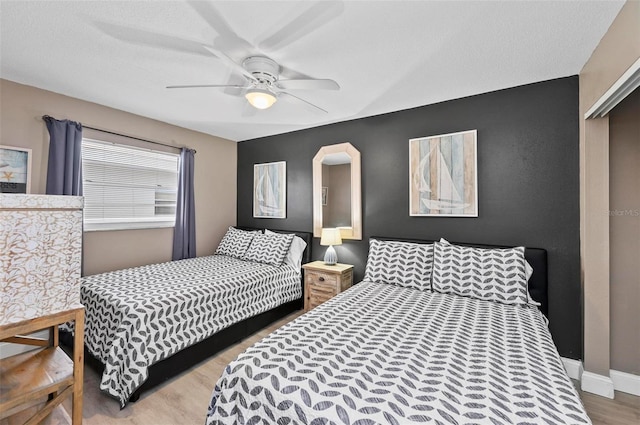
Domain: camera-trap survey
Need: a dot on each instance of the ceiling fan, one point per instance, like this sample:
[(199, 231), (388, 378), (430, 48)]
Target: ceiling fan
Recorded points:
[(263, 86)]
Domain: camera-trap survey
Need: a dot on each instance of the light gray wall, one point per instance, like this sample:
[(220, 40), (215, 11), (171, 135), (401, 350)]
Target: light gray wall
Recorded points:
[(215, 171)]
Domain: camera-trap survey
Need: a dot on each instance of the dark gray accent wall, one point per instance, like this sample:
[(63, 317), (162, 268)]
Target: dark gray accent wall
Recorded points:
[(528, 182)]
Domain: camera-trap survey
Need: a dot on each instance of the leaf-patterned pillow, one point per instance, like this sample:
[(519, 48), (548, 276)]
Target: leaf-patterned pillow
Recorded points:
[(236, 242), (270, 248), (403, 264), (486, 274)]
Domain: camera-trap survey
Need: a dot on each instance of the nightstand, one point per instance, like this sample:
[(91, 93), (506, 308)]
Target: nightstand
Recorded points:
[(322, 282)]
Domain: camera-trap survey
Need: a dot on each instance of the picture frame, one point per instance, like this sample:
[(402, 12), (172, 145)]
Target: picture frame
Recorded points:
[(443, 175), (15, 169), (325, 195), (270, 190)]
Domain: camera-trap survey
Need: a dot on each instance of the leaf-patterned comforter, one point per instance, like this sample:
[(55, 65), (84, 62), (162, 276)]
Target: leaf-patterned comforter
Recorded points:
[(382, 354), (139, 316)]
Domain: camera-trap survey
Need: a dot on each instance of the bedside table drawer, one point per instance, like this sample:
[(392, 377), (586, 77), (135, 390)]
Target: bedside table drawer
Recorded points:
[(322, 290), (316, 300), (315, 278)]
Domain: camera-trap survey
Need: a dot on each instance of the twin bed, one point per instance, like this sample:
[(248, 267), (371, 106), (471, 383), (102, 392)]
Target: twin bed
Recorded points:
[(435, 333)]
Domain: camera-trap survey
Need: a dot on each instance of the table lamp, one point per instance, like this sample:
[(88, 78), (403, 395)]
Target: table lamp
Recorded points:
[(329, 238)]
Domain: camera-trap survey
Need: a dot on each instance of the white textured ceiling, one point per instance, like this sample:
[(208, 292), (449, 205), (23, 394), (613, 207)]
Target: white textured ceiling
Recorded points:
[(386, 56)]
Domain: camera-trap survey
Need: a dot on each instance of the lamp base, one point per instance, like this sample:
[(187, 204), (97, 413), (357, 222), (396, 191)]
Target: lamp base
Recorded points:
[(330, 257)]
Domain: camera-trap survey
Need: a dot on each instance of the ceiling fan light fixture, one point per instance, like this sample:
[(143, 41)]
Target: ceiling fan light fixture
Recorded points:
[(260, 98)]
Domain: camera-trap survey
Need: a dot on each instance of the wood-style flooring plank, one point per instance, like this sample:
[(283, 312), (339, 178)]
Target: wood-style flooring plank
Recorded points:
[(624, 409)]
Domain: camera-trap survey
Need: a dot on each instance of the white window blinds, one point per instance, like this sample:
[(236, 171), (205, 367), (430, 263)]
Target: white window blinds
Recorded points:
[(127, 187)]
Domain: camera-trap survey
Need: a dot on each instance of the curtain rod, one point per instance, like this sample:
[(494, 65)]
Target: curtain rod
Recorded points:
[(130, 137)]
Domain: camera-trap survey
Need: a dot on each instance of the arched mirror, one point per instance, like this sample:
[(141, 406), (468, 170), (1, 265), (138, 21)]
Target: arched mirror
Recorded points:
[(337, 200)]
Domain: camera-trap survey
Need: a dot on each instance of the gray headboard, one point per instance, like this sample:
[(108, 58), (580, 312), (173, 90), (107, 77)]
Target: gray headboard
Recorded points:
[(537, 257)]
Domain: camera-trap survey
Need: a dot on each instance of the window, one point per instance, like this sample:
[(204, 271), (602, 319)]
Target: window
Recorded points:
[(127, 187)]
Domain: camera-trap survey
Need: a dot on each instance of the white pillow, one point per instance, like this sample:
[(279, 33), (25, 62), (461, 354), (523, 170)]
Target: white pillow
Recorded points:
[(398, 263), (235, 242), (491, 274), (269, 248), (294, 255), (528, 272), (528, 268)]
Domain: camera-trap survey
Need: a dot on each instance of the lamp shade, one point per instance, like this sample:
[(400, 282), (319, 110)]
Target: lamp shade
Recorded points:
[(260, 98), (330, 237)]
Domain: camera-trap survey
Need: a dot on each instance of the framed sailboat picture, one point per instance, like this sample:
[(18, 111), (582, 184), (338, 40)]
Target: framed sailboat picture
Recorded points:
[(270, 190), (443, 175)]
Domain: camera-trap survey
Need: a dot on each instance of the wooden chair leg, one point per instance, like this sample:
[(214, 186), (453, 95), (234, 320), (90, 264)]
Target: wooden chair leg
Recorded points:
[(54, 336), (78, 368)]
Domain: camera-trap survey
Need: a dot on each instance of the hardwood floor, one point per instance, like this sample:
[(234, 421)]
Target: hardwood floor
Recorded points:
[(623, 410), (184, 400)]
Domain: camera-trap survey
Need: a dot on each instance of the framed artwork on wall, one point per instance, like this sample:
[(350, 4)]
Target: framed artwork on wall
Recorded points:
[(15, 170), (325, 194), (443, 175), (270, 190)]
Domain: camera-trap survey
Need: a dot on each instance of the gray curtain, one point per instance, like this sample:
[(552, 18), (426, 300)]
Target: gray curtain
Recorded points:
[(64, 170), (184, 234)]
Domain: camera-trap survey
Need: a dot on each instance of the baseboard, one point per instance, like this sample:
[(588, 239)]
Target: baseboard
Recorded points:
[(602, 385), (597, 384), (573, 367), (625, 382)]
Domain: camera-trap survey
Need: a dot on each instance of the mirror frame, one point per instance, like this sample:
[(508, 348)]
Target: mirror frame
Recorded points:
[(355, 231)]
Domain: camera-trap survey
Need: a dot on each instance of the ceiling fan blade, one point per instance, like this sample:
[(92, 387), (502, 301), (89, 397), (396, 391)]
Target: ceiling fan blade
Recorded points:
[(311, 19), (230, 62), (308, 84), (199, 86), (228, 39), (287, 95), (151, 39)]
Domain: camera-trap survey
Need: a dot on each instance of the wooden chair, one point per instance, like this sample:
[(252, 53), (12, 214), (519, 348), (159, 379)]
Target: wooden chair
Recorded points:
[(27, 379)]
